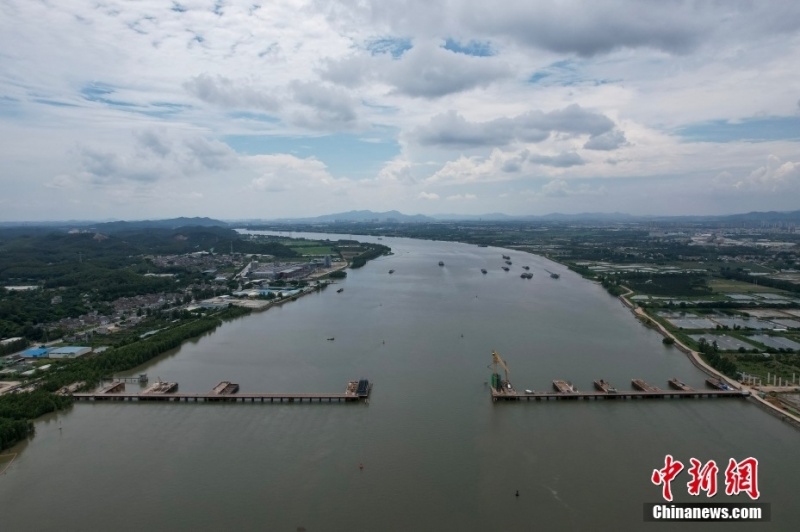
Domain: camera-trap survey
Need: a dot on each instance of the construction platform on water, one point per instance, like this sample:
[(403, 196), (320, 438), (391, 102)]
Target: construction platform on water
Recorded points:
[(632, 394), (226, 392), (502, 390)]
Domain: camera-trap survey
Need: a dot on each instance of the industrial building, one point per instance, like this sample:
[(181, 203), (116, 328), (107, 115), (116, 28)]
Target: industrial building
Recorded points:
[(69, 352), (282, 272)]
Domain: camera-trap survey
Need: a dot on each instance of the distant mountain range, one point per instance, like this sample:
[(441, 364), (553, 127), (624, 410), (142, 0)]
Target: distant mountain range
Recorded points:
[(365, 216), (360, 216), (171, 223), (398, 217)]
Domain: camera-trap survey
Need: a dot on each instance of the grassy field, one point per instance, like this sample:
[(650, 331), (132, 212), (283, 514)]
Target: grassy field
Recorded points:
[(308, 247), (768, 365), (730, 286), (314, 250)]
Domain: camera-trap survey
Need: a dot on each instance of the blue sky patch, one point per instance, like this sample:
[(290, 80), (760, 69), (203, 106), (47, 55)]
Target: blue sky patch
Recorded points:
[(389, 45), (54, 103), (93, 91), (10, 107), (564, 73), (561, 73), (538, 76), (258, 117), (345, 155), (749, 129), (474, 48), (175, 107), (97, 92), (161, 109)]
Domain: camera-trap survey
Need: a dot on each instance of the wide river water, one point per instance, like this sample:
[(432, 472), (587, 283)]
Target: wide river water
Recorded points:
[(437, 453)]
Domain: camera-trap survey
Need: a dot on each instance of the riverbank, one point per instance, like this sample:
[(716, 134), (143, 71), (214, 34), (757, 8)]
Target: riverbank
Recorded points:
[(697, 360), (17, 410), (265, 304)]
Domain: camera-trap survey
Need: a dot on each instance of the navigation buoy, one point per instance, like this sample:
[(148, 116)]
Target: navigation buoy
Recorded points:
[(361, 466), (517, 494)]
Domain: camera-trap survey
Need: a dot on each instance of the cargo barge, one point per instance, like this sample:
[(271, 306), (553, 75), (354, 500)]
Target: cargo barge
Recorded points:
[(225, 388), (639, 384), (563, 386), (604, 386), (678, 385), (719, 384)]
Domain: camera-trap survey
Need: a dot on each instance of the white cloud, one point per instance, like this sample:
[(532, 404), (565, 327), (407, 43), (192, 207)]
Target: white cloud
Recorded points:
[(452, 129), (575, 27), (219, 90), (559, 188), (282, 172), (426, 71), (610, 140), (327, 107), (775, 176), (151, 156), (428, 196), (461, 197), (397, 170)]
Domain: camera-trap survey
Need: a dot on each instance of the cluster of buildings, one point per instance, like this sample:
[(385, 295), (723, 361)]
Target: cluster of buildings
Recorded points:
[(200, 260), (21, 364)]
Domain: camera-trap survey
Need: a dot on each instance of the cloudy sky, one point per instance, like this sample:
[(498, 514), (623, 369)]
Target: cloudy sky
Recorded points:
[(152, 108)]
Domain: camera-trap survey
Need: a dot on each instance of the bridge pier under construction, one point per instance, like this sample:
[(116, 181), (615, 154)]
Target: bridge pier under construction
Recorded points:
[(225, 392)]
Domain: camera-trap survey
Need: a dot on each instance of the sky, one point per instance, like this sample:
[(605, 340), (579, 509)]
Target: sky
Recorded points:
[(245, 110)]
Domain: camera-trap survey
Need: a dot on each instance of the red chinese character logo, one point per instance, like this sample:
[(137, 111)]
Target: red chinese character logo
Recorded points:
[(742, 477), (666, 475), (703, 478)]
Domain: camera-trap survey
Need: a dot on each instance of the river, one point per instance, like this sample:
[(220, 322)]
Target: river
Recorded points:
[(437, 454)]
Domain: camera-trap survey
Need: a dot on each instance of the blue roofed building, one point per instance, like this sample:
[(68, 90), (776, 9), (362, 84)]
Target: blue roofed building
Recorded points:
[(36, 352)]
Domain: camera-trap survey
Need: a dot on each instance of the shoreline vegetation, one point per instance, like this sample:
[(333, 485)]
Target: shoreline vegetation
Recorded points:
[(18, 410), (696, 358), (52, 391)]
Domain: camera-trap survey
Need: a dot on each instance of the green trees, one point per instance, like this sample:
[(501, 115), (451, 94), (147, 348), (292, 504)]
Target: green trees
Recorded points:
[(373, 251), (16, 411), (710, 352)]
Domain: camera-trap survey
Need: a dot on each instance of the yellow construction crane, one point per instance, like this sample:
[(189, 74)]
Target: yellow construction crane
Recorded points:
[(497, 361)]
